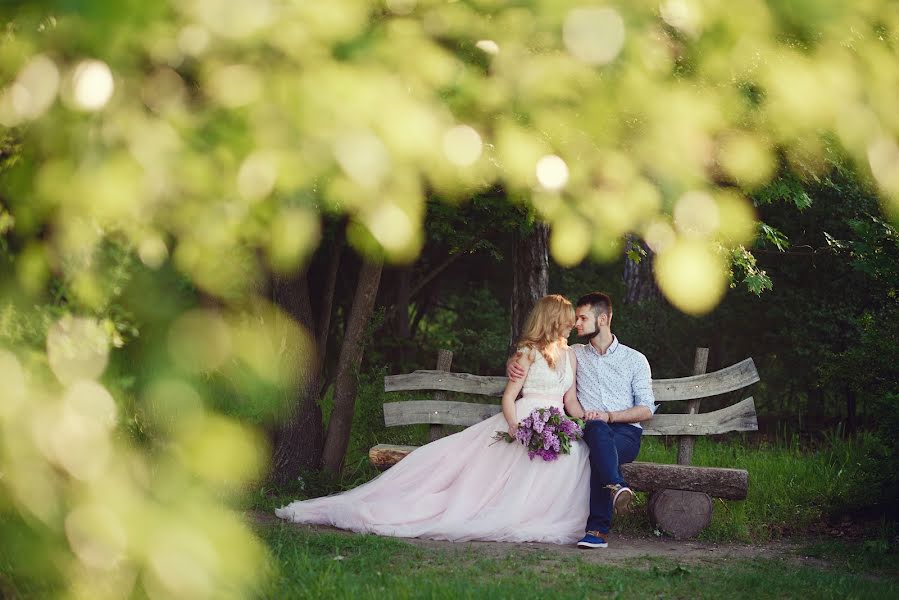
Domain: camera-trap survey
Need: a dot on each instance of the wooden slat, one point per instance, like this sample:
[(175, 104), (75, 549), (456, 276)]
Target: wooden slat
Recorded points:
[(729, 379), (726, 380), (448, 382), (739, 417), (437, 412), (732, 484)]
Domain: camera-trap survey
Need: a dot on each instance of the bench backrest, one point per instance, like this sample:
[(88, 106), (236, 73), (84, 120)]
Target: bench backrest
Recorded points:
[(738, 417)]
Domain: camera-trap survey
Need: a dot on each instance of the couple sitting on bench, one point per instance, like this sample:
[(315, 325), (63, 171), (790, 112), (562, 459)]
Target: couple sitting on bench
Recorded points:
[(466, 487)]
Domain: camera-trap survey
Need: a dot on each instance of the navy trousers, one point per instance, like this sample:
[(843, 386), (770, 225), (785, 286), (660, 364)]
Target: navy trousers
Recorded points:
[(610, 447)]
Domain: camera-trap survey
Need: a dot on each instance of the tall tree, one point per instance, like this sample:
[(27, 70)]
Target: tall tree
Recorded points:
[(351, 351), (530, 280), (639, 283), (299, 438)]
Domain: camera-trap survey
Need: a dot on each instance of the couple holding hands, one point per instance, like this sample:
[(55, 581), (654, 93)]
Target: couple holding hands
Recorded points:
[(465, 487)]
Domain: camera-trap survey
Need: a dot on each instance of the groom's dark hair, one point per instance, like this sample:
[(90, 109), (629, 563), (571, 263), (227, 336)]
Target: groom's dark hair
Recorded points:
[(597, 301)]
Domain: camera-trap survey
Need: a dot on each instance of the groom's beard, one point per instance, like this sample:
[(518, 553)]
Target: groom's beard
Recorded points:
[(589, 336)]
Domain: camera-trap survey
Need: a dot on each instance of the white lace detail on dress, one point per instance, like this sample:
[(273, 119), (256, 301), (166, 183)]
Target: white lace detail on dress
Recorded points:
[(541, 379)]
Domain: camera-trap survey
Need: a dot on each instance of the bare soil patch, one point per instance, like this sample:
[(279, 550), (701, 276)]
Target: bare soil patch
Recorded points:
[(634, 550)]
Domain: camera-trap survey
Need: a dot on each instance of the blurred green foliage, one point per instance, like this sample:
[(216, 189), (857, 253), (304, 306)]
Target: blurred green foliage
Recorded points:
[(161, 163)]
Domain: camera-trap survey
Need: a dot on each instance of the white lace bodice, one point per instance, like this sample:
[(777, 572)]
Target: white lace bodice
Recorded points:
[(541, 379)]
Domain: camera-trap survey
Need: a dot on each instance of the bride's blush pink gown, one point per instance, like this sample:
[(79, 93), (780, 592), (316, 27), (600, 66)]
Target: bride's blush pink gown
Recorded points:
[(467, 486)]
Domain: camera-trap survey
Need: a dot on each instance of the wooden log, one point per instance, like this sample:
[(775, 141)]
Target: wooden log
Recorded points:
[(680, 514), (384, 456), (726, 380), (686, 442), (444, 363), (732, 484), (739, 417)]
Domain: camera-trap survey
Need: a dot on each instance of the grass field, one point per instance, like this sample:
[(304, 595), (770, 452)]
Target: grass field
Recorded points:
[(307, 564), (793, 491)]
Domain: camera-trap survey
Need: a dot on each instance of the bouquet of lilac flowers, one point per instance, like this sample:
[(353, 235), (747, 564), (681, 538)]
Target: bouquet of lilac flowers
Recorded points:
[(546, 432)]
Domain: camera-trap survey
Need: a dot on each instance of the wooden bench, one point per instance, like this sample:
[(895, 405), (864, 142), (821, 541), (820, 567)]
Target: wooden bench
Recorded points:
[(680, 495)]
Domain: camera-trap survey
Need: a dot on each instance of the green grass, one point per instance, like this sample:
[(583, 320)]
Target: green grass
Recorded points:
[(307, 564), (790, 488)]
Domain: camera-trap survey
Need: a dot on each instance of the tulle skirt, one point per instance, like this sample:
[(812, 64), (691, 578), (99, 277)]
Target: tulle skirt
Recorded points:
[(467, 487)]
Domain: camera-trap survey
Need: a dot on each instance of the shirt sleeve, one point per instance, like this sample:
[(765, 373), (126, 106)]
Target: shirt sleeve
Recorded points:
[(641, 384)]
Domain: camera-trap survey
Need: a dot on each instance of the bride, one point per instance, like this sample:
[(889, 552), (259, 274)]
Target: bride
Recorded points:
[(469, 487)]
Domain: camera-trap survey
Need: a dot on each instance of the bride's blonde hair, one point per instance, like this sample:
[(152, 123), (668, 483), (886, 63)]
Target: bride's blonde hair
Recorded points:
[(550, 320)]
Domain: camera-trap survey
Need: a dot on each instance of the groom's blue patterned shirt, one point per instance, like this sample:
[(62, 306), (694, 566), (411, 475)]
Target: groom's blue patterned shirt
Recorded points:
[(617, 380)]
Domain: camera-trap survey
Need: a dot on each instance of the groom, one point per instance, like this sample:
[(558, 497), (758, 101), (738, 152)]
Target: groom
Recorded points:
[(615, 389)]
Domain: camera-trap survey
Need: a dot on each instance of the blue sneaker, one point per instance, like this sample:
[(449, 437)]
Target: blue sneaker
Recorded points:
[(593, 539)]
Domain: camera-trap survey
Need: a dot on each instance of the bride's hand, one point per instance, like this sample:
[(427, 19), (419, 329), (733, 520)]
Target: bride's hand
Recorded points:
[(513, 429)]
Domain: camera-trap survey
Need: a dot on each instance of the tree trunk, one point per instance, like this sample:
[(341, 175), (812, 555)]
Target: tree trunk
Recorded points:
[(639, 283), (324, 319), (351, 350), (299, 441), (530, 281)]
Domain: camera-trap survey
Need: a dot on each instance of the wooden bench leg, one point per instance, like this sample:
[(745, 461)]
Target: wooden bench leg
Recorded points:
[(680, 514)]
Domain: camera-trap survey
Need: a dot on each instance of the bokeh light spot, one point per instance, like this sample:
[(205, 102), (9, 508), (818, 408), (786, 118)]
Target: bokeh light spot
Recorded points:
[(235, 85), (659, 236), (696, 214), (391, 226), (594, 35), (692, 276), (200, 341), (569, 241), (92, 85), (488, 46), (552, 172), (294, 235), (256, 177), (363, 158), (77, 348), (152, 251), (96, 536), (193, 40), (462, 145), (33, 91)]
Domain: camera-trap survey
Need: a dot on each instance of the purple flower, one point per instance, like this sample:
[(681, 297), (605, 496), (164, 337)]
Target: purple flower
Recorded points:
[(550, 441), (547, 455), (544, 433)]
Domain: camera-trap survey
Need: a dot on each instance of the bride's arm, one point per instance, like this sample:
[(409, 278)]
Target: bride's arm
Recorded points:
[(572, 405), (513, 386)]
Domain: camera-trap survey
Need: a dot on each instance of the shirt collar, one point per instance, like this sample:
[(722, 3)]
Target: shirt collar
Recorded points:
[(612, 347)]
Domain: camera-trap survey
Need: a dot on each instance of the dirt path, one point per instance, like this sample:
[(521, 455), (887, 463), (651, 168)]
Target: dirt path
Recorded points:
[(636, 551)]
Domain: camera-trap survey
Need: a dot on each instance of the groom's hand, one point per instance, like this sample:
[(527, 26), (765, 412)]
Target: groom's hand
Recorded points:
[(596, 415), (514, 371)]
